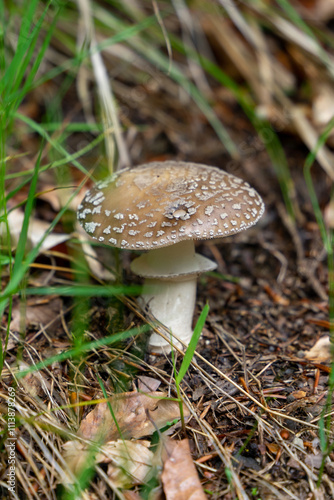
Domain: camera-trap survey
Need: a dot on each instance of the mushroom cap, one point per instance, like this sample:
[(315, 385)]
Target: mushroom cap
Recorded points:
[(161, 203)]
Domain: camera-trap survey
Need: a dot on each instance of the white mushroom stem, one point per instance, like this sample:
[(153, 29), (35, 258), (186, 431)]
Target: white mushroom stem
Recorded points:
[(173, 304), (170, 288)]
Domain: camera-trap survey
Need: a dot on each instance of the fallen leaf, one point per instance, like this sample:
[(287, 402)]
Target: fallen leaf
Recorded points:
[(148, 384), (321, 351), (294, 464), (314, 460), (273, 447), (179, 476), (129, 462), (13, 340), (136, 414), (131, 495), (57, 198), (299, 394), (37, 229), (75, 455), (92, 258), (34, 383), (37, 311), (298, 443)]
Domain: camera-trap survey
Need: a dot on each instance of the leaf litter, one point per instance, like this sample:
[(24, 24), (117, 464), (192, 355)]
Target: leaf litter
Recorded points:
[(111, 425), (179, 476), (133, 415)]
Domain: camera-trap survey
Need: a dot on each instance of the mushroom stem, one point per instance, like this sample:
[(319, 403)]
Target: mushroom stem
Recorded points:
[(173, 304), (170, 288)]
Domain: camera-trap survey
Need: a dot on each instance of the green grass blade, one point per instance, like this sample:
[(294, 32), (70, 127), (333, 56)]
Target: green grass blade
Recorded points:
[(2, 38), (4, 234), (121, 35), (58, 147), (158, 59), (189, 354), (14, 283), (297, 20), (265, 130), (22, 243), (28, 56), (328, 241), (24, 50), (37, 62), (17, 272), (163, 63), (85, 290), (79, 351), (112, 413), (309, 182)]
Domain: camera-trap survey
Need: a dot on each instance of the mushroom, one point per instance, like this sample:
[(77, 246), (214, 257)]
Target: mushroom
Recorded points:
[(163, 207)]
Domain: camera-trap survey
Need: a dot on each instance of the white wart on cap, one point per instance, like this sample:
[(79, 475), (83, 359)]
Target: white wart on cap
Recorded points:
[(163, 207)]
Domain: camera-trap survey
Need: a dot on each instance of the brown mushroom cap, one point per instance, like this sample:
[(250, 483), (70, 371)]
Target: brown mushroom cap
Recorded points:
[(161, 203)]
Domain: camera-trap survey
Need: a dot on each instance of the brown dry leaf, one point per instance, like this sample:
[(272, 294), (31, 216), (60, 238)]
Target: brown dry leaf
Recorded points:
[(131, 495), (55, 197), (13, 339), (273, 447), (34, 383), (321, 351), (294, 464), (314, 461), (136, 414), (179, 476), (75, 455), (299, 394), (130, 462), (148, 384), (38, 311)]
